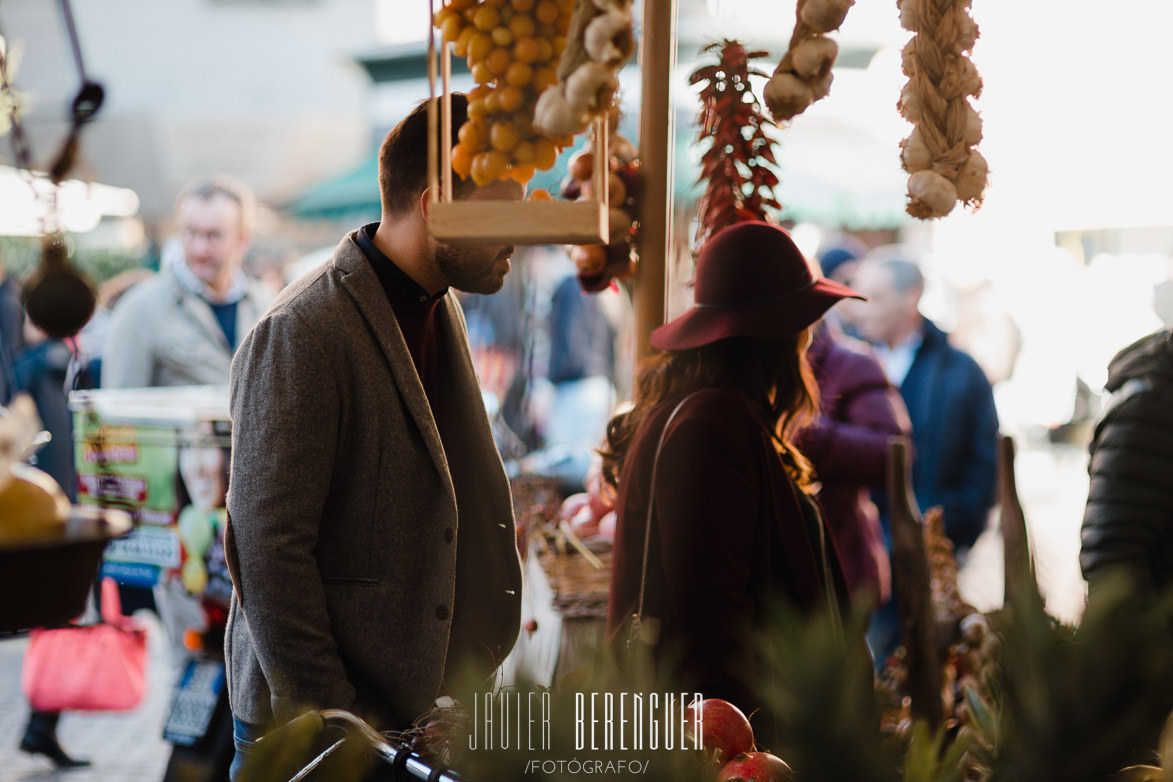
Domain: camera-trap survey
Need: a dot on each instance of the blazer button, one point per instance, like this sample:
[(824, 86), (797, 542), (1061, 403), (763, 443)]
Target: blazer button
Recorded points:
[(441, 612), (448, 535)]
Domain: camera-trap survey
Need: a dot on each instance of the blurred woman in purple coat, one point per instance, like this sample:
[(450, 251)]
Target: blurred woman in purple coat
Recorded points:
[(848, 446)]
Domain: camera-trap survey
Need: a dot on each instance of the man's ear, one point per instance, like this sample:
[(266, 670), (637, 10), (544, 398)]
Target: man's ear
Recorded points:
[(425, 202)]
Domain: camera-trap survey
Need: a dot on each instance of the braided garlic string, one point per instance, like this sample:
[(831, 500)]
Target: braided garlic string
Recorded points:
[(599, 42), (804, 74), (939, 153)]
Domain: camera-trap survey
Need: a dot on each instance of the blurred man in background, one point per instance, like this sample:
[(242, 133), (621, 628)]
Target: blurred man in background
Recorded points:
[(839, 260), (949, 399), (182, 327)]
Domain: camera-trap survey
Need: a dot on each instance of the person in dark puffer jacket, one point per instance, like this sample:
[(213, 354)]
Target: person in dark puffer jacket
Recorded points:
[(1128, 521)]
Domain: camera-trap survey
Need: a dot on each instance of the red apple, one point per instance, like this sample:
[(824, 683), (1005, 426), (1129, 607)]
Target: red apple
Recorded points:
[(725, 730), (582, 166), (756, 767)]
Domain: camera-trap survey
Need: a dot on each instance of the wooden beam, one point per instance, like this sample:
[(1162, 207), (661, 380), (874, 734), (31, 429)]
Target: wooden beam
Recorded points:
[(518, 222), (657, 56)]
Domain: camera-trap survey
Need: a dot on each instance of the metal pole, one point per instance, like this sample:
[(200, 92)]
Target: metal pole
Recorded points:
[(657, 58)]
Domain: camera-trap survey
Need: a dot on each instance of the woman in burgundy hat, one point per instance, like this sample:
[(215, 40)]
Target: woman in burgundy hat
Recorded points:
[(732, 527)]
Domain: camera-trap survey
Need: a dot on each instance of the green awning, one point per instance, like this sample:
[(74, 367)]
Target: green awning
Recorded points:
[(353, 196)]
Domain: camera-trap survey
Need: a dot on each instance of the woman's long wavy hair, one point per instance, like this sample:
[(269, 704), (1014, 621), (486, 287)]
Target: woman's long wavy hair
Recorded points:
[(774, 375)]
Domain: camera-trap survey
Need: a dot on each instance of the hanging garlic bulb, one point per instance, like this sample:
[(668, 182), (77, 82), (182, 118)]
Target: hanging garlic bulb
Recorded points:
[(555, 115), (908, 58), (786, 95), (608, 38), (914, 155), (910, 106), (967, 34), (909, 15), (971, 182), (588, 83), (821, 86), (971, 80), (823, 16), (804, 74), (814, 56), (973, 127), (601, 41), (932, 194)]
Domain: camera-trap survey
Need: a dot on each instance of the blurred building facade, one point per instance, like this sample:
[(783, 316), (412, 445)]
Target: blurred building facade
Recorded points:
[(267, 90)]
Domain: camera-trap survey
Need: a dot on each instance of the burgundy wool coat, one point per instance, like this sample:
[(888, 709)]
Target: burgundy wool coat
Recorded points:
[(729, 537)]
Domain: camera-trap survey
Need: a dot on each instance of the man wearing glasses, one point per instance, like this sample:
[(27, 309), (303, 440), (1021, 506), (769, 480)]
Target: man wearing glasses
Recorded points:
[(182, 327)]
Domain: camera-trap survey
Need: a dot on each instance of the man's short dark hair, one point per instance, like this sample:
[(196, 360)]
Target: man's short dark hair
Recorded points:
[(403, 158)]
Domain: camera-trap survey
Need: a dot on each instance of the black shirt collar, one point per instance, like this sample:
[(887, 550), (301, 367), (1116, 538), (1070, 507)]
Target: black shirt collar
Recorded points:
[(397, 284)]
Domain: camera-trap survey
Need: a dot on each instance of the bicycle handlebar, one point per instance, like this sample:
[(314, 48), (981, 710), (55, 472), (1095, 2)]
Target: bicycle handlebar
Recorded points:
[(401, 756)]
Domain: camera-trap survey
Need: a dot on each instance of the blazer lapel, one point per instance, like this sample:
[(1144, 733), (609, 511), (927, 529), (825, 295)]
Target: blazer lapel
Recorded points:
[(362, 284), (477, 430)]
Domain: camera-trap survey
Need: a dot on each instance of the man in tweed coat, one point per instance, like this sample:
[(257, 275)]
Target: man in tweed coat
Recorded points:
[(371, 535)]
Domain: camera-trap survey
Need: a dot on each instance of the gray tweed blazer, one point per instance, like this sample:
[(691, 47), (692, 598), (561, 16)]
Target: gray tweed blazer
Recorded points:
[(371, 538)]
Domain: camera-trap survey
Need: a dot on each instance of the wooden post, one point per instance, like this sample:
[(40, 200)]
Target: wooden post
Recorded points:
[(1022, 588), (914, 597), (657, 58)]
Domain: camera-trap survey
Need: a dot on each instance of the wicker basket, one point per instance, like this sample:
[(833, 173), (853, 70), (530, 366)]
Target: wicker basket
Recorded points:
[(580, 589)]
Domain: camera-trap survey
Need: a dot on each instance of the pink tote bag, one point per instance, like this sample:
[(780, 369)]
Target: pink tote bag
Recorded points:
[(99, 667)]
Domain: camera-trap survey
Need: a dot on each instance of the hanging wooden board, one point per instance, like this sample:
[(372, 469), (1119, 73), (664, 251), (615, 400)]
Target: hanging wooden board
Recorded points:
[(519, 222)]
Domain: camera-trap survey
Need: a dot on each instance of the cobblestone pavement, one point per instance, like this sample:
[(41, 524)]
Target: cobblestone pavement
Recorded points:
[(124, 746), (1052, 485)]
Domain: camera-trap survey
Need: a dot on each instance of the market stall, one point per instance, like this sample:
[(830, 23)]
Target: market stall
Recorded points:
[(969, 696)]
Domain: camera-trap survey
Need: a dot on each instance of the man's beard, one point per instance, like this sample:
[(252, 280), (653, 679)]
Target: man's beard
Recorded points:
[(471, 269)]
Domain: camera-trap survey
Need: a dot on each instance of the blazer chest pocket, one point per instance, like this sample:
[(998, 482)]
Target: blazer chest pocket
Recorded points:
[(350, 581)]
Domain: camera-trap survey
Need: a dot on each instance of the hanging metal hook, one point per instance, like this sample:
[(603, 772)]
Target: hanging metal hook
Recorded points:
[(85, 104)]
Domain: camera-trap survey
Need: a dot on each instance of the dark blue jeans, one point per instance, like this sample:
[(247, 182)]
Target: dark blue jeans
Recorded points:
[(244, 736)]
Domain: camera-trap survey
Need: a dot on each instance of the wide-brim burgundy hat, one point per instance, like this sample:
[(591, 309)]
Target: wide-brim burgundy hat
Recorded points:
[(751, 281)]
